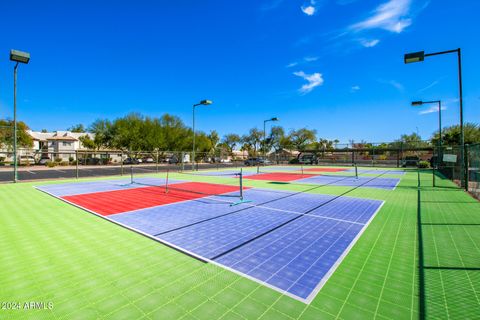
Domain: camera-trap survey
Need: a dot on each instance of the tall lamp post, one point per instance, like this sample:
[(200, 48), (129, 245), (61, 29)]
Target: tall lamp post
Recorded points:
[(18, 57), (201, 103), (420, 56), (265, 135), (419, 103)]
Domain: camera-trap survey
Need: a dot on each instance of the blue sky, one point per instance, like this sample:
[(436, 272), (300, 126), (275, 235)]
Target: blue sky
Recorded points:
[(331, 65)]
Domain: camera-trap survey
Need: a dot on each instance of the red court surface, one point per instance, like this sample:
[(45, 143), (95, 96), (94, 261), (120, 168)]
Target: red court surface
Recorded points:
[(112, 202), (325, 169), (279, 176)]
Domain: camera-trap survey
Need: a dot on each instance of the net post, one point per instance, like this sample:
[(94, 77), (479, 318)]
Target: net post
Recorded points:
[(433, 175), (166, 182), (302, 168), (356, 171), (258, 168), (241, 184), (156, 162), (131, 174)]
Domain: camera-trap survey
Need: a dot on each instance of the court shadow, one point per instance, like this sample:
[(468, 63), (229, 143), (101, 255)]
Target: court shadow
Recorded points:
[(278, 182)]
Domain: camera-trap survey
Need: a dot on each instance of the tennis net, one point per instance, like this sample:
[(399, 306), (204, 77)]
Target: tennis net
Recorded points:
[(202, 189)]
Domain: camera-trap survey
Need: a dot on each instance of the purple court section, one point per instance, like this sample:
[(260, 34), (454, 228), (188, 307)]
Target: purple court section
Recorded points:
[(75, 188), (379, 171), (158, 220), (224, 173), (368, 182), (288, 241), (297, 257)]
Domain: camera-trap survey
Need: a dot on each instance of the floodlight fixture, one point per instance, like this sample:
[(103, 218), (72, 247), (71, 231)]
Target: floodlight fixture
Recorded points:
[(414, 57), (19, 56)]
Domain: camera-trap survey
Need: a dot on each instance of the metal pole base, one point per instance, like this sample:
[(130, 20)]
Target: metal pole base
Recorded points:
[(239, 202)]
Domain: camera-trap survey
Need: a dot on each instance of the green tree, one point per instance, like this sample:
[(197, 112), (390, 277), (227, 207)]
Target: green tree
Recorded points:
[(103, 131), (253, 140), (230, 141), (77, 128), (214, 139), (128, 132), (301, 138), (87, 142), (451, 135), (24, 140)]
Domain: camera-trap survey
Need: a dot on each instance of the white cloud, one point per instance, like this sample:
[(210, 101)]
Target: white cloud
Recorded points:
[(271, 5), (303, 61), (434, 83), (369, 43), (354, 89), (310, 59), (314, 80), (308, 10), (397, 85), (432, 109), (392, 16)]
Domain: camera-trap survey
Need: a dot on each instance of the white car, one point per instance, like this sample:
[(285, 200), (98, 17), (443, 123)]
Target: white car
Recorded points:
[(26, 160)]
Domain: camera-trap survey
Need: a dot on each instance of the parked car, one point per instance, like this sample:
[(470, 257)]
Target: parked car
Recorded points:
[(256, 162), (410, 161), (308, 159), (131, 161), (43, 160), (148, 160), (172, 160), (26, 160)]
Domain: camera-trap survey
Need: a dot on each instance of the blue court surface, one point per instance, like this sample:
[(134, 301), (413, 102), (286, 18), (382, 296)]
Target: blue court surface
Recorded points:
[(378, 171), (291, 242), (367, 182)]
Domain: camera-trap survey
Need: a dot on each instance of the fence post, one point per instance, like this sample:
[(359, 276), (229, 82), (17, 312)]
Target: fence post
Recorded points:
[(465, 165), (156, 162), (121, 163), (76, 163)]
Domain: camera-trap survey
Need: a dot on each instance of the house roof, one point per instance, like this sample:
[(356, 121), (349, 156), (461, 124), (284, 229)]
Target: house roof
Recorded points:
[(57, 135)]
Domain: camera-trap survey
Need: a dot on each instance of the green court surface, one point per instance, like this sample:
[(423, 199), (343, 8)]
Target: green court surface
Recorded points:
[(89, 268)]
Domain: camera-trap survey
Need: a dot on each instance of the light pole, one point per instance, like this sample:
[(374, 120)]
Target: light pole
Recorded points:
[(201, 103), (419, 103), (265, 135), (420, 56), (18, 57)]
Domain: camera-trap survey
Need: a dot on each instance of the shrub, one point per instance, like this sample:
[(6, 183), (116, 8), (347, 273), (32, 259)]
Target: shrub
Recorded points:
[(58, 159), (64, 163), (424, 164), (294, 161), (2, 159), (382, 157), (71, 159), (51, 164)]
